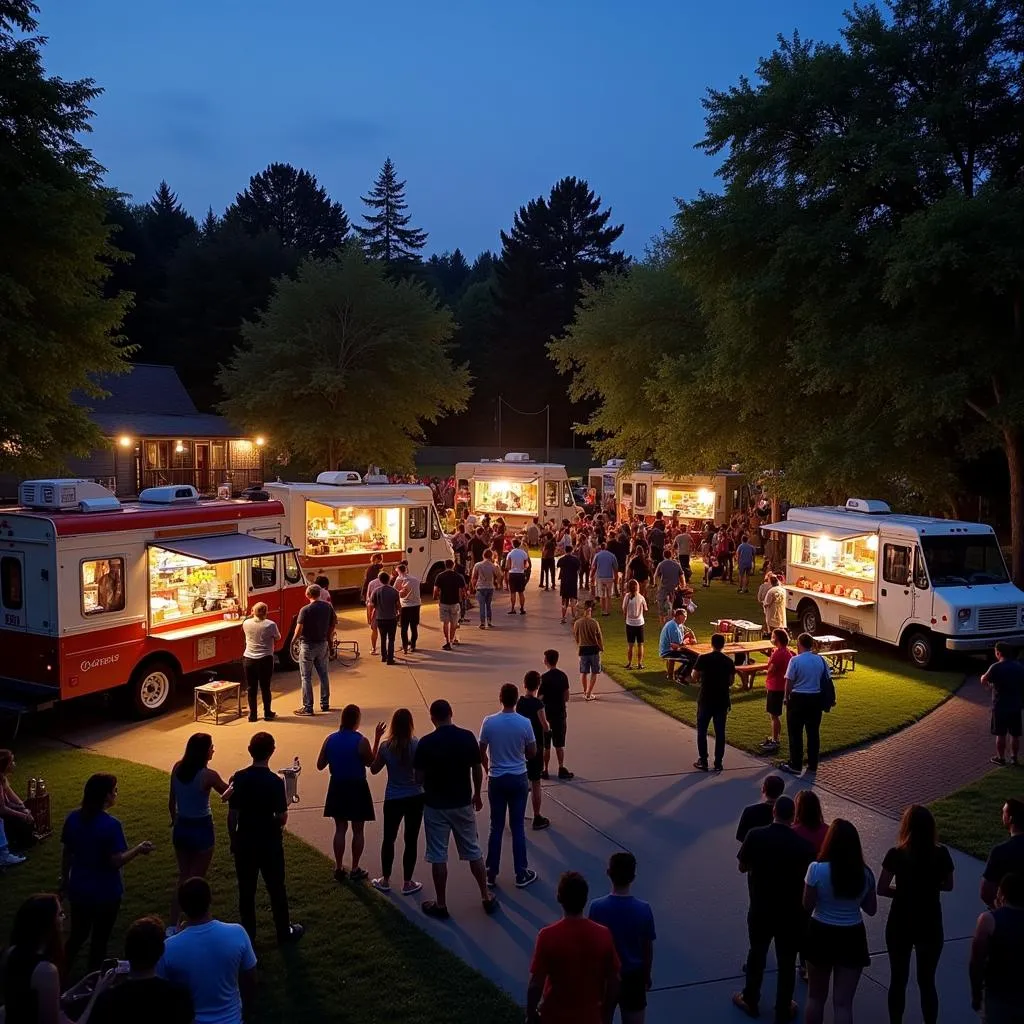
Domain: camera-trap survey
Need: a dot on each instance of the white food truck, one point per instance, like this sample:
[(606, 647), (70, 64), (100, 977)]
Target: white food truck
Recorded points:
[(515, 488), (342, 520), (925, 585)]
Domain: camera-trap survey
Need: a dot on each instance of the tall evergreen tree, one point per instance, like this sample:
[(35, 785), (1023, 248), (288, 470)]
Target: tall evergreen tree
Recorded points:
[(386, 235), (167, 222), (292, 203), (210, 223)]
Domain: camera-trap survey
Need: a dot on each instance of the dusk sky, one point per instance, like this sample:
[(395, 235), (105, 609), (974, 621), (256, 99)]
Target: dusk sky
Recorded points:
[(482, 106)]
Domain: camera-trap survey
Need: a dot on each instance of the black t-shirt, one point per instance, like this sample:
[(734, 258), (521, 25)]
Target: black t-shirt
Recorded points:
[(569, 572), (776, 859), (656, 536), (317, 619), (1004, 858), (918, 878), (153, 1000), (446, 757), (449, 583), (372, 572), (620, 551), (754, 816), (258, 796), (478, 546), (528, 707), (1007, 679), (554, 692), (716, 674), (638, 569)]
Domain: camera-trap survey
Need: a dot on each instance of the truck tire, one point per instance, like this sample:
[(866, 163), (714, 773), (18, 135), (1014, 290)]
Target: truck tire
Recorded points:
[(921, 649), (435, 570), (151, 686), (288, 656), (808, 617)]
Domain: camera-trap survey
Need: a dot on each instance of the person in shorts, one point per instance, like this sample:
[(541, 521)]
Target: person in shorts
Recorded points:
[(517, 566), (775, 687), (568, 581), (1006, 680), (554, 693), (603, 570), (448, 766), (449, 591), (586, 631), (530, 706)]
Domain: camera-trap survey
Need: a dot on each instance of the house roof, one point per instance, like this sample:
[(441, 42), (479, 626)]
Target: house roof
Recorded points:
[(199, 424)]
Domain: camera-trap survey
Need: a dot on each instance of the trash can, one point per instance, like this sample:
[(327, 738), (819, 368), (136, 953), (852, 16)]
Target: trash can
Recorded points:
[(291, 781)]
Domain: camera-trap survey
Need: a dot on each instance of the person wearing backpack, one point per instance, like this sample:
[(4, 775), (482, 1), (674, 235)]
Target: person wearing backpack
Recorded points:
[(809, 692)]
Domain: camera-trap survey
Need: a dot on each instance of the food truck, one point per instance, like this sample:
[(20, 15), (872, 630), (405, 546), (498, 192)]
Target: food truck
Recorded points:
[(342, 520), (99, 595), (647, 490), (925, 585), (515, 488)]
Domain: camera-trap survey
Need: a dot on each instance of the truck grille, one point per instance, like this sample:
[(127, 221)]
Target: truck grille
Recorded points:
[(997, 618)]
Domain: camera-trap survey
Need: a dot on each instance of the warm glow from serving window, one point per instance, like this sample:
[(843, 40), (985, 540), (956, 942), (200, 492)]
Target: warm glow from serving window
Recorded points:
[(854, 558), (506, 496), (689, 503), (363, 523), (182, 587), (873, 543), (351, 530)]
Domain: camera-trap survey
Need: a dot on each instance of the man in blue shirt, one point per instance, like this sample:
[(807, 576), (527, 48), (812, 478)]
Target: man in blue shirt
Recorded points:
[(745, 563), (631, 923), (604, 568), (674, 634)]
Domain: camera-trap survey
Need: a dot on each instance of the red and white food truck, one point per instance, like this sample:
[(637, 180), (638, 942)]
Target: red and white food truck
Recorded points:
[(97, 595)]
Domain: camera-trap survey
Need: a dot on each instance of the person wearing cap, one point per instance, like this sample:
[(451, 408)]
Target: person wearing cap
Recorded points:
[(675, 634)]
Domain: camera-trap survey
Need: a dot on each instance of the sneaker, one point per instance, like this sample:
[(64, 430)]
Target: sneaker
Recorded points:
[(324, 709), (380, 885), (269, 716), (528, 877), (522, 611), (490, 625), (789, 769), (640, 666), (252, 716), (738, 1000), (446, 647), (719, 768), (492, 881), (304, 712), (483, 625), (511, 612), (701, 766), (997, 760), (540, 823), (340, 875), (431, 909), (490, 905), (563, 773), (358, 874), (295, 932), (545, 776), (409, 888)]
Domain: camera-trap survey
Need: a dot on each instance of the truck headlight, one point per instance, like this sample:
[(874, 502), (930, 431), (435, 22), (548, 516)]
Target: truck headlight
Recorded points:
[(963, 614)]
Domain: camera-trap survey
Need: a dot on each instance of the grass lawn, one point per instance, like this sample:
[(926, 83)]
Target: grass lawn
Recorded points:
[(884, 693), (360, 959), (971, 818)]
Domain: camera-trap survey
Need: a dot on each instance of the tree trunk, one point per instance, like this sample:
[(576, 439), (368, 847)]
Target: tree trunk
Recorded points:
[(1013, 445)]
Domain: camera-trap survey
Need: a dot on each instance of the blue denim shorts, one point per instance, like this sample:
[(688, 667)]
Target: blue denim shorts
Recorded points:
[(590, 663)]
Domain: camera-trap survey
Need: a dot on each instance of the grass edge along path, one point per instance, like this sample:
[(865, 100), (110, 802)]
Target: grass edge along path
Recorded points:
[(970, 818), (881, 696), (360, 960)]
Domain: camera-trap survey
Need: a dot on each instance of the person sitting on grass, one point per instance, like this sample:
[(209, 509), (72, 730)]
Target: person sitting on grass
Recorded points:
[(675, 635)]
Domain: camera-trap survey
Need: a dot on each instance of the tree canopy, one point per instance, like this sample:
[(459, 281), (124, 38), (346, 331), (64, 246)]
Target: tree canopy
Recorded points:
[(346, 365), (386, 233)]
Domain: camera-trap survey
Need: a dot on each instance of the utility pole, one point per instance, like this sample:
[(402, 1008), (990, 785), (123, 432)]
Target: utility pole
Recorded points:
[(547, 445)]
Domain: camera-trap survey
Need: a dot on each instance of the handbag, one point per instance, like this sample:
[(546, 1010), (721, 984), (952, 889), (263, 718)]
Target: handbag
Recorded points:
[(828, 688)]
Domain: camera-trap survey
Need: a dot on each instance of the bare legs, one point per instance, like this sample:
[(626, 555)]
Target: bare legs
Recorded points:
[(191, 864)]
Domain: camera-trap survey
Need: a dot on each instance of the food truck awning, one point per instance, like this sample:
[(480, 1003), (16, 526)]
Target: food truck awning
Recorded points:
[(354, 502), (816, 530), (224, 547)]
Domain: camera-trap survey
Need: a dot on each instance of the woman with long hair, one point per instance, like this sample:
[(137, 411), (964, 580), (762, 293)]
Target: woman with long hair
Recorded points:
[(188, 802), (261, 637), (838, 890), (914, 873), (403, 801), (94, 852), (639, 568), (809, 822), (634, 606), (17, 818), (347, 753)]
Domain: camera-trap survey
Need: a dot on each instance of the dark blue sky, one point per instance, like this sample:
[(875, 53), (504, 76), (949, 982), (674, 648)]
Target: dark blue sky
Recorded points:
[(481, 105)]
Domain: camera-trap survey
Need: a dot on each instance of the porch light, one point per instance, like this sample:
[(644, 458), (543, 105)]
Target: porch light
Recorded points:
[(179, 447), (260, 441), (124, 441)]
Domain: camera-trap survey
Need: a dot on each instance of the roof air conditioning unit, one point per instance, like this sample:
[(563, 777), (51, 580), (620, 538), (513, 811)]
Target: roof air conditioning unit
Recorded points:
[(615, 463), (66, 495), (339, 478), (517, 456), (869, 505), (647, 465), (184, 494)]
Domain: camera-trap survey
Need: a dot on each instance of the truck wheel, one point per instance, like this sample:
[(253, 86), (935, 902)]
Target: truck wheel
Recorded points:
[(921, 649), (288, 656), (151, 687), (432, 574), (809, 618)]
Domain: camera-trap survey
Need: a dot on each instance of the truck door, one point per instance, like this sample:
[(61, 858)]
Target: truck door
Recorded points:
[(416, 537), (896, 588), (264, 576), (13, 614)]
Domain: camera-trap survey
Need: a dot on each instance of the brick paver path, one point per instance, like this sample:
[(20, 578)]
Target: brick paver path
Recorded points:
[(947, 749)]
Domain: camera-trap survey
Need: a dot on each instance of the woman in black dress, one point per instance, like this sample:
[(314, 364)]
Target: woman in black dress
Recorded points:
[(921, 869)]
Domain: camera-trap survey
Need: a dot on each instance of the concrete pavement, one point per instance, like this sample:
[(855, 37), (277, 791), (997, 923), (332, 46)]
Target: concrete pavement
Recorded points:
[(634, 789)]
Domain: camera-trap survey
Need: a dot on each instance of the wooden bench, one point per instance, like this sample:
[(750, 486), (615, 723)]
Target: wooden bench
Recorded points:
[(749, 671), (842, 661)]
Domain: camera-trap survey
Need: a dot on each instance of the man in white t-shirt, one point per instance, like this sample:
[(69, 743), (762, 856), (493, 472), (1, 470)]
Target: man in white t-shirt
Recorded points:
[(517, 563), (214, 960), (507, 741)]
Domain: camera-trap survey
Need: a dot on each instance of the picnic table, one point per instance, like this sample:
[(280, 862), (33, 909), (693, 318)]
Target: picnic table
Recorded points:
[(745, 672), (834, 650)]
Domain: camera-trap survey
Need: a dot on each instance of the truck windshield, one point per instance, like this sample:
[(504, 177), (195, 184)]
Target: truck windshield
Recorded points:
[(964, 561)]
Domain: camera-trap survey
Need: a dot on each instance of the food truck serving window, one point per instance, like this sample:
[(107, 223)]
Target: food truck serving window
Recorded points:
[(690, 503), (507, 496), (102, 585), (181, 587), (854, 557), (351, 529)]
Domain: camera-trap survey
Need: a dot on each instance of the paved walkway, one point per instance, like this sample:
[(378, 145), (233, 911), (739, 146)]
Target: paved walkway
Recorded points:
[(949, 748), (634, 789)]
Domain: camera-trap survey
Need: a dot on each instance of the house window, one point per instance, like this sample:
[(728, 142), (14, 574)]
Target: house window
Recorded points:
[(158, 454), (184, 456), (11, 591), (218, 455), (102, 586)]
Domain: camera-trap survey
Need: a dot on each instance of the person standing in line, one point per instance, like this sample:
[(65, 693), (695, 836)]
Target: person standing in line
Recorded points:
[(409, 588), (373, 570), (574, 972), (620, 550), (745, 554), (485, 580), (477, 545), (683, 551), (386, 604), (1007, 856), (517, 565), (638, 568), (634, 608), (810, 821), (667, 577), (554, 693), (257, 815), (531, 707), (403, 801), (631, 922), (914, 873), (449, 592), (94, 852), (314, 628), (533, 534), (714, 673), (568, 581), (371, 610), (838, 887), (460, 544), (656, 539), (775, 604), (192, 833), (507, 742), (775, 860), (997, 950), (261, 637), (447, 760), (604, 568), (762, 592), (803, 702), (586, 631), (325, 589), (775, 687), (760, 814), (547, 562), (1006, 680)]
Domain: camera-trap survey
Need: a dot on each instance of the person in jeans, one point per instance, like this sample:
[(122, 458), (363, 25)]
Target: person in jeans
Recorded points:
[(997, 951), (631, 923), (257, 815), (386, 603), (586, 631), (261, 637), (775, 860), (531, 707), (314, 628), (449, 592), (507, 742), (403, 801), (408, 587), (486, 578), (803, 705), (714, 672), (547, 562), (446, 762)]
